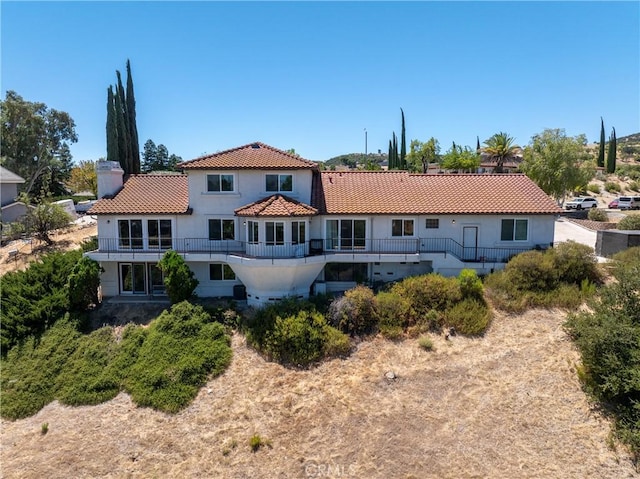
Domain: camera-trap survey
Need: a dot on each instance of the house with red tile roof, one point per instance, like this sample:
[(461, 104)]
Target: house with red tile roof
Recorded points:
[(261, 222)]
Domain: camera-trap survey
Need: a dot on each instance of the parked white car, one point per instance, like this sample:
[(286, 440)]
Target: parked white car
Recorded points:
[(629, 202), (581, 203)]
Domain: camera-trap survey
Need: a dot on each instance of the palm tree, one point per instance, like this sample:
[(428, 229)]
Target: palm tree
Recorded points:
[(500, 147)]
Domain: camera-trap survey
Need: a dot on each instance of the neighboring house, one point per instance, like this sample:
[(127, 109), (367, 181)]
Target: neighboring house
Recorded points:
[(256, 218), (12, 210)]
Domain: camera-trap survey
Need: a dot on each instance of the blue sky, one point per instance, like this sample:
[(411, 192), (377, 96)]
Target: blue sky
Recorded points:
[(313, 76)]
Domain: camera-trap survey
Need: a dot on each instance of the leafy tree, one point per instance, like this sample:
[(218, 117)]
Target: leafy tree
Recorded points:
[(35, 144), (122, 132), (500, 147), (44, 218), (458, 158), (157, 158), (84, 178), (179, 279), (84, 281), (423, 153), (558, 163), (611, 155), (601, 146)]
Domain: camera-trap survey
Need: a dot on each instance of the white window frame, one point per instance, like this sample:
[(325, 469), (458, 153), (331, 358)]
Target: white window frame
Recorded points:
[(437, 223), (403, 222), (514, 230), (280, 182), (221, 221), (220, 175), (278, 226)]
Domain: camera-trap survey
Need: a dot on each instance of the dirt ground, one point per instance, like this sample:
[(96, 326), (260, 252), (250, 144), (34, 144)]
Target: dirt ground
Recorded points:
[(508, 405), (63, 240)]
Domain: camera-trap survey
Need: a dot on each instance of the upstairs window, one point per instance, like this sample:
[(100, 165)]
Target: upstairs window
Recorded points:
[(159, 234), (219, 183), (220, 229), (278, 183), (514, 230), (298, 234), (130, 234), (252, 232), (274, 233), (401, 227)]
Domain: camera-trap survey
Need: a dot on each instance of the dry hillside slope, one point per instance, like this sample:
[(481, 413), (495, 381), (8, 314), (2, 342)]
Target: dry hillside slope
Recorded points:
[(508, 405)]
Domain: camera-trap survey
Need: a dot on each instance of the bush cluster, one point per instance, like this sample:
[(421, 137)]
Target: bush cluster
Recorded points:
[(593, 188), (294, 333), (34, 299), (608, 337), (596, 214), (612, 187), (560, 277), (161, 366), (629, 222)]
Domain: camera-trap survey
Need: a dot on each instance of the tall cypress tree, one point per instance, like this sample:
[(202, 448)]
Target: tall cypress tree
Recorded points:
[(611, 156), (134, 147), (112, 131), (390, 157), (403, 145), (601, 149), (477, 144), (124, 155)]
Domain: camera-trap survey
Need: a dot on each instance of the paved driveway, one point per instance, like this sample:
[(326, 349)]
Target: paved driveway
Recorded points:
[(566, 230)]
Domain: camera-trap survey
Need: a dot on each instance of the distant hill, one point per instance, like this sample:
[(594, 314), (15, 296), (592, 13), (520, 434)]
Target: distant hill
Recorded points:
[(629, 147), (352, 160)]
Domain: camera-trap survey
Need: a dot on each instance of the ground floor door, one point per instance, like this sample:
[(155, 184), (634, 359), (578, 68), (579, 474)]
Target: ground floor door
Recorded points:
[(470, 243), (156, 280), (133, 278)]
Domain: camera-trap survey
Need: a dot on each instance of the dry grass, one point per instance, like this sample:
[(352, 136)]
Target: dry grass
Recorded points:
[(506, 405), (64, 239)]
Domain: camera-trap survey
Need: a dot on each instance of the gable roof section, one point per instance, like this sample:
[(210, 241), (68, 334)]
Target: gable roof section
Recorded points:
[(7, 176), (147, 194), (252, 156), (398, 192), (276, 206)]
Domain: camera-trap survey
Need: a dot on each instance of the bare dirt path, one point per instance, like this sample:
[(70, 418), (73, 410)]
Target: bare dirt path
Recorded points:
[(508, 405)]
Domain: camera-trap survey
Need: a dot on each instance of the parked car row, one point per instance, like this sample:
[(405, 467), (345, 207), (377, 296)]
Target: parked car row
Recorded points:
[(626, 203)]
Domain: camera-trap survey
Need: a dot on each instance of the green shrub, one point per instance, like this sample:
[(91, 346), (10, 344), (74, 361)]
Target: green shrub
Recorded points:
[(256, 442), (596, 214), (293, 333), (355, 312), (89, 245), (612, 187), (629, 222), (429, 292), (425, 343), (634, 186), (575, 262), (608, 337), (394, 313), (181, 350), (470, 284), (623, 260), (34, 299), (470, 317), (30, 370), (532, 271), (179, 280), (44, 428), (85, 379), (593, 188), (83, 284)]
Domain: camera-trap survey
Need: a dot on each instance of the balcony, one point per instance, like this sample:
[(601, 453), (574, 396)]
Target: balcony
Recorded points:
[(314, 247)]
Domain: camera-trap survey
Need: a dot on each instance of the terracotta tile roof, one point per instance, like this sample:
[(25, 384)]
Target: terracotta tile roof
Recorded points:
[(398, 192), (276, 205), (147, 194), (252, 156)]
